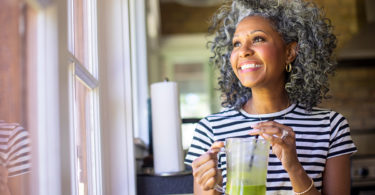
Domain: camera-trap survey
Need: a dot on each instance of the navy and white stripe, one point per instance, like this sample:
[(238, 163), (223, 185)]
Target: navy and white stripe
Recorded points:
[(320, 134), (15, 152)]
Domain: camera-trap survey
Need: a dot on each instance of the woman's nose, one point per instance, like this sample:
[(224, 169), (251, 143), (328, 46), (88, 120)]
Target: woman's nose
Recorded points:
[(246, 51)]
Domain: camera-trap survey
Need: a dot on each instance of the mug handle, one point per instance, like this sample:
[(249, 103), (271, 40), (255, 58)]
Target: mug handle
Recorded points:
[(217, 187)]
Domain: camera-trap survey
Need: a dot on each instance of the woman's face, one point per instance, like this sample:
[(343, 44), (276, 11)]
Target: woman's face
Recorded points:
[(259, 54)]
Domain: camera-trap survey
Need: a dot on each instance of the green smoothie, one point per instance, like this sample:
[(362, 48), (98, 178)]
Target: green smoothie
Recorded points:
[(246, 190), (247, 161)]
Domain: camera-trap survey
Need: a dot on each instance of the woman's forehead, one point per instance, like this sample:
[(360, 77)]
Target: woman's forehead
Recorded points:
[(252, 24)]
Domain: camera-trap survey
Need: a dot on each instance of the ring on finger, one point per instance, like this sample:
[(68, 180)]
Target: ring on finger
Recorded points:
[(284, 135)]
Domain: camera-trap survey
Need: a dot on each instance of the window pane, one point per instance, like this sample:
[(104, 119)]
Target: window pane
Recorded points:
[(82, 128), (193, 90), (80, 31)]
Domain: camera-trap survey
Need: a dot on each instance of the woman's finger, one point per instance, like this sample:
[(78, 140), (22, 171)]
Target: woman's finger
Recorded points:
[(200, 160), (199, 171), (210, 154), (272, 130), (211, 173), (270, 123), (210, 184), (217, 145), (273, 140)]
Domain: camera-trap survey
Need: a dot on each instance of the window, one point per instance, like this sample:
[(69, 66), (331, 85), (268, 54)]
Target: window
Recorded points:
[(70, 154), (84, 97), (185, 61), (194, 98)]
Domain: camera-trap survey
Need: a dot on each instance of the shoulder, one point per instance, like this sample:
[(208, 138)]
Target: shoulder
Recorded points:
[(12, 133), (211, 121), (315, 114), (217, 117), (17, 148), (226, 113), (336, 118), (11, 128), (302, 109), (318, 112)]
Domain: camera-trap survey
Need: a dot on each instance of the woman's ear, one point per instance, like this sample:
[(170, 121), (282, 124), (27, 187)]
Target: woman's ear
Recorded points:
[(291, 52)]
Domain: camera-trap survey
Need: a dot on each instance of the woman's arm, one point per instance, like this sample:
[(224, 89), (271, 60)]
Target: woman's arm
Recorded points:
[(336, 177), (301, 182)]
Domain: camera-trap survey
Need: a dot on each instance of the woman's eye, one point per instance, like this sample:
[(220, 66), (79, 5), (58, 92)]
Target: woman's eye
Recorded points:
[(258, 39), (236, 44)]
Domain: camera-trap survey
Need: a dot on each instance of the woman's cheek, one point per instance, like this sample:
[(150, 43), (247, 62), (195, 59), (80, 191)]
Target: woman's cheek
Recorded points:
[(233, 59)]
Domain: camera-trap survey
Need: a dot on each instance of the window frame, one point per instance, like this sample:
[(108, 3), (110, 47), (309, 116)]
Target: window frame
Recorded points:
[(78, 71), (117, 80), (89, 79), (46, 168), (53, 163)]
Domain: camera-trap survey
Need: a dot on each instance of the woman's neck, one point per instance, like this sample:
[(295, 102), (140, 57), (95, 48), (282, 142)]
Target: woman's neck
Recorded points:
[(263, 102)]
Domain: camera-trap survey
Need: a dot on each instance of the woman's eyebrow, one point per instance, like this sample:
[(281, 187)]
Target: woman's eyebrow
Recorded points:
[(252, 32)]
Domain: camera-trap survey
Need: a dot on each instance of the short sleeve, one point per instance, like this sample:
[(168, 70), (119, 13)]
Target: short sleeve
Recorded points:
[(202, 141), (19, 151), (340, 142)]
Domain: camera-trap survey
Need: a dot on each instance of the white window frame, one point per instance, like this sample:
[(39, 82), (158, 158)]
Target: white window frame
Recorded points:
[(119, 79), (89, 79), (138, 37), (78, 71), (46, 167), (122, 75)]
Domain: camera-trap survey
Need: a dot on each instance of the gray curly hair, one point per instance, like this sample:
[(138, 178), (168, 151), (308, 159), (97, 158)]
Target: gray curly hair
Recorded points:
[(296, 21)]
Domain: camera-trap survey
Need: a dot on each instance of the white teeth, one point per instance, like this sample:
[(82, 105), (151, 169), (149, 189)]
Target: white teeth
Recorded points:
[(246, 66)]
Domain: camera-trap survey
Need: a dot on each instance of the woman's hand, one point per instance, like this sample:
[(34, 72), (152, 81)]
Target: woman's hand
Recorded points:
[(283, 146), (205, 171)]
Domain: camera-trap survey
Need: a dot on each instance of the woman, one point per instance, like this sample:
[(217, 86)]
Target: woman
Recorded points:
[(275, 58)]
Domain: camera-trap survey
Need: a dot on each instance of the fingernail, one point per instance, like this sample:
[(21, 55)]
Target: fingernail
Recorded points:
[(266, 135)]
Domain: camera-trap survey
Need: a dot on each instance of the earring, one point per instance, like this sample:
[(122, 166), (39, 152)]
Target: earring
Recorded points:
[(288, 67)]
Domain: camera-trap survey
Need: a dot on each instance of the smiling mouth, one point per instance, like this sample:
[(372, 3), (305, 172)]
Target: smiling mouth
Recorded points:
[(250, 66)]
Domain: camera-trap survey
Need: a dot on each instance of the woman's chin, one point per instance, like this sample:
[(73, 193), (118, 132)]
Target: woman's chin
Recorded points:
[(248, 84)]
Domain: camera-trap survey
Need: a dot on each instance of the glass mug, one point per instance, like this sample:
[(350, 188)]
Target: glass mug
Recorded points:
[(246, 163)]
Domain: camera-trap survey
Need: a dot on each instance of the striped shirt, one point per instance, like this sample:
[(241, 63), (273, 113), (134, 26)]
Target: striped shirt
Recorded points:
[(320, 134), (15, 152)]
